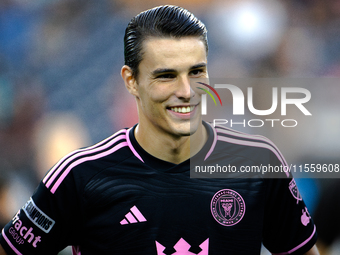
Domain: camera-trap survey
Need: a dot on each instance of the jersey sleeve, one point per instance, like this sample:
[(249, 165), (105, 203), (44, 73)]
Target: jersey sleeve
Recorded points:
[(288, 226), (46, 224)]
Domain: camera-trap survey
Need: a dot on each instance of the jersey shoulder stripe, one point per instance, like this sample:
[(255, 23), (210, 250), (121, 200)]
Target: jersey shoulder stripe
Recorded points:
[(240, 138), (68, 156), (58, 173)]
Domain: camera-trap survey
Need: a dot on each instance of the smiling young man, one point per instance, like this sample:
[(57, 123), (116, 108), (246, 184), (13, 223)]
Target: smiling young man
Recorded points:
[(168, 106), (132, 193)]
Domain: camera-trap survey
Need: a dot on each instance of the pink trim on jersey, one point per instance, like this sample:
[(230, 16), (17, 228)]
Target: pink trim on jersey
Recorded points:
[(84, 159), (253, 137), (10, 244), (61, 162), (77, 155), (299, 246), (131, 147), (255, 144), (213, 144)]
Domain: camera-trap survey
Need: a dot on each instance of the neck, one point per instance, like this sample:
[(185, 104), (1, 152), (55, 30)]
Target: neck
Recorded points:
[(170, 148)]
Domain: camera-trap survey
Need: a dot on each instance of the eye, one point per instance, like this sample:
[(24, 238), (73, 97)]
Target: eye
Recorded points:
[(196, 72)]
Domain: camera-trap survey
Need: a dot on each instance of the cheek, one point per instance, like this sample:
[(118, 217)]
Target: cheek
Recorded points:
[(151, 102), (159, 97), (155, 94)]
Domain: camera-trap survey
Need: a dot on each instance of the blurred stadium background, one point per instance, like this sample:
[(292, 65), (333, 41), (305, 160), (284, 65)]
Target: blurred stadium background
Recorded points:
[(60, 84)]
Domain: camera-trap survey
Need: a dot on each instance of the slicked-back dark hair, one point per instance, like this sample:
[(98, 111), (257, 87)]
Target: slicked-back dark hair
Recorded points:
[(163, 21)]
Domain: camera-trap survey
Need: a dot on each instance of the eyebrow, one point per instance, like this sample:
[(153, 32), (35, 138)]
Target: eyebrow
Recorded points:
[(163, 70), (199, 66), (169, 70)]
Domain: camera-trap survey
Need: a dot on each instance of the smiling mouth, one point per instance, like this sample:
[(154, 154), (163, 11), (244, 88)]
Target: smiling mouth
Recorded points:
[(182, 109)]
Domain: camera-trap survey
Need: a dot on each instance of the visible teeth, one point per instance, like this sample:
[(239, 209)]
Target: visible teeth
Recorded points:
[(183, 109)]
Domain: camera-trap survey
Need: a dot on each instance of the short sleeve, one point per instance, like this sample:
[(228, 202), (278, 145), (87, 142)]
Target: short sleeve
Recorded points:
[(46, 224), (288, 226)]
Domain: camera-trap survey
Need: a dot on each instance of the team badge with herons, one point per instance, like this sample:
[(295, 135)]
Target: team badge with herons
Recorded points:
[(227, 207)]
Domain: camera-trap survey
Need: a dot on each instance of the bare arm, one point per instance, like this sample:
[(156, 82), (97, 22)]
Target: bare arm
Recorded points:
[(313, 251), (2, 252)]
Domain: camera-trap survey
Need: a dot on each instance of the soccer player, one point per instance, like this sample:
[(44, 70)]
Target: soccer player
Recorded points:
[(132, 193)]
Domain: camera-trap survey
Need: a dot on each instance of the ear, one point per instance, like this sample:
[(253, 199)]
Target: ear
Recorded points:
[(129, 80)]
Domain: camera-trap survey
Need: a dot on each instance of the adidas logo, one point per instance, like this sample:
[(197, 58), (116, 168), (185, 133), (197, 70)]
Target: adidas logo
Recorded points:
[(134, 216)]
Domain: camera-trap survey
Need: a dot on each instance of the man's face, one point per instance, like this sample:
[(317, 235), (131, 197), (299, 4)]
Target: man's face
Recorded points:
[(167, 102)]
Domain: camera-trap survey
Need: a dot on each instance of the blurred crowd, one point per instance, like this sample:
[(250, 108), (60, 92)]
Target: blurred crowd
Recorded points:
[(60, 85)]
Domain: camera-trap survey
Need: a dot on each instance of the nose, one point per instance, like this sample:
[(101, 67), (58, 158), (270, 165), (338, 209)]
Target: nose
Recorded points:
[(184, 89)]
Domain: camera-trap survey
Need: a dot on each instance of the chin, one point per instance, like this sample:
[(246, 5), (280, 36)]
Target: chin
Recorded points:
[(188, 130)]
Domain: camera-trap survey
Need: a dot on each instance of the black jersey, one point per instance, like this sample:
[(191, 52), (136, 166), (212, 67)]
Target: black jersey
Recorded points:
[(115, 198)]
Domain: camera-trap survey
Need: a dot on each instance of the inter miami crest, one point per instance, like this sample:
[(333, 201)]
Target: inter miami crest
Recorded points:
[(227, 207)]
